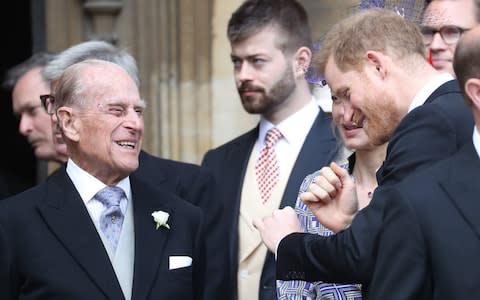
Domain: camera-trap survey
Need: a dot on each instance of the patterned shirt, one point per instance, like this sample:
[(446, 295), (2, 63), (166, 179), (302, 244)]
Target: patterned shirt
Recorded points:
[(302, 290)]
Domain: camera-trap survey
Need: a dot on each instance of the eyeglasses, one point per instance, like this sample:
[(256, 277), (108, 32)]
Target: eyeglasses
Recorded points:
[(449, 34), (47, 103)]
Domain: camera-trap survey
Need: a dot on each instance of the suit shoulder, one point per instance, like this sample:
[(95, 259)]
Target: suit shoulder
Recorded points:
[(247, 138), (148, 161), (450, 104), (21, 204)]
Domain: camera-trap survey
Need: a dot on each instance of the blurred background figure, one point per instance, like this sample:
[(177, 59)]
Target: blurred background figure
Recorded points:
[(444, 22), (27, 85)]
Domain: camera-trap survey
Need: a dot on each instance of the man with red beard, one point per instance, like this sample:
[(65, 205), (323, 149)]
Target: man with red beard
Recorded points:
[(263, 169), (444, 22), (375, 63)]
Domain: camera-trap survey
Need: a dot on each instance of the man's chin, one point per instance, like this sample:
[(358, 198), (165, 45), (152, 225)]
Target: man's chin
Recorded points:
[(129, 168), (43, 154), (251, 109), (443, 66)]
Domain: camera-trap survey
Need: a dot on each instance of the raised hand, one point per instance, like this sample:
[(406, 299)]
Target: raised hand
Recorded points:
[(332, 197)]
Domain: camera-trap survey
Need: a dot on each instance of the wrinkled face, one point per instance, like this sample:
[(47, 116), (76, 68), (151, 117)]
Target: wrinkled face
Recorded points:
[(442, 13), (110, 126), (361, 106), (263, 74), (34, 121)]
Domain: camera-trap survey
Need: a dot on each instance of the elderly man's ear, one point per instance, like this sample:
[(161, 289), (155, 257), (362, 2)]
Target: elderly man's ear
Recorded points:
[(68, 123)]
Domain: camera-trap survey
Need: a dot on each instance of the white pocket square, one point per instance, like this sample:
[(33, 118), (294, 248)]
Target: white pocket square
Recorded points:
[(177, 262)]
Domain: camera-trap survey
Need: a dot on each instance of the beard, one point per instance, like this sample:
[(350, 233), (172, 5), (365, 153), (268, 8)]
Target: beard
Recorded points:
[(383, 118), (266, 102)]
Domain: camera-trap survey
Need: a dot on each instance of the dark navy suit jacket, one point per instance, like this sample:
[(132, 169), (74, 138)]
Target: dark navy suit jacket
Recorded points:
[(426, 135), (430, 244), (50, 248), (194, 184)]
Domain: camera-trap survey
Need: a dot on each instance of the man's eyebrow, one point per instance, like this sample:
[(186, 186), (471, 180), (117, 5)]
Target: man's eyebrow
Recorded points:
[(247, 57)]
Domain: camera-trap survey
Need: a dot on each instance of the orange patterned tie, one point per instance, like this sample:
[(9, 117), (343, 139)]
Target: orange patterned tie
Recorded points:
[(267, 168)]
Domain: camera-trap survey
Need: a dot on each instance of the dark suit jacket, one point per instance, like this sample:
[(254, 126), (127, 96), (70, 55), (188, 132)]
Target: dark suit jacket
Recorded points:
[(194, 184), (229, 163), (430, 245), (50, 249), (428, 134)]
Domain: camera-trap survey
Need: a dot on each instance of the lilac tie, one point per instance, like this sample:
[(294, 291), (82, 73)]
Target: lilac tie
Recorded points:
[(111, 219)]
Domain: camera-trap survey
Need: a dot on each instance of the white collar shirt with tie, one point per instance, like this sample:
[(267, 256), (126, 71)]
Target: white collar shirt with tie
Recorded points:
[(87, 186), (294, 130)]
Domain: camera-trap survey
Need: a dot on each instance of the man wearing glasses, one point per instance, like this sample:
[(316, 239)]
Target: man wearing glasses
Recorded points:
[(444, 22), (27, 83), (47, 103)]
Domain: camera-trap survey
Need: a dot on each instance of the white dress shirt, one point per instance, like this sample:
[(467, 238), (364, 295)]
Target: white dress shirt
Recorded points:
[(294, 130), (476, 140)]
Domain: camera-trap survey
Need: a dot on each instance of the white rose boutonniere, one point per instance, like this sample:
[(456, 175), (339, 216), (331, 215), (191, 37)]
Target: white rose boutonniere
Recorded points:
[(161, 218)]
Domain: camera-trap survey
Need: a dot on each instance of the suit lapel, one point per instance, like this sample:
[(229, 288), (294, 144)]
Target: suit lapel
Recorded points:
[(462, 186), (319, 149), (149, 242), (238, 157), (67, 217)]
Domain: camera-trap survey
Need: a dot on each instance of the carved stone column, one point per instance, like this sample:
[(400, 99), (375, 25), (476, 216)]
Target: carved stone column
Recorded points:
[(101, 18)]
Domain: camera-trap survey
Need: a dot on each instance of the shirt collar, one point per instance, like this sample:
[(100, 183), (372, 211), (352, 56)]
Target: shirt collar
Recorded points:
[(87, 185), (428, 89), (293, 126), (476, 140)]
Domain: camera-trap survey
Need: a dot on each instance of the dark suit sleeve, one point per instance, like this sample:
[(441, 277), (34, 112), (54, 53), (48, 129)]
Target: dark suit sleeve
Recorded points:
[(220, 222), (401, 270), (216, 235), (201, 275), (426, 135), (348, 256), (6, 284)]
